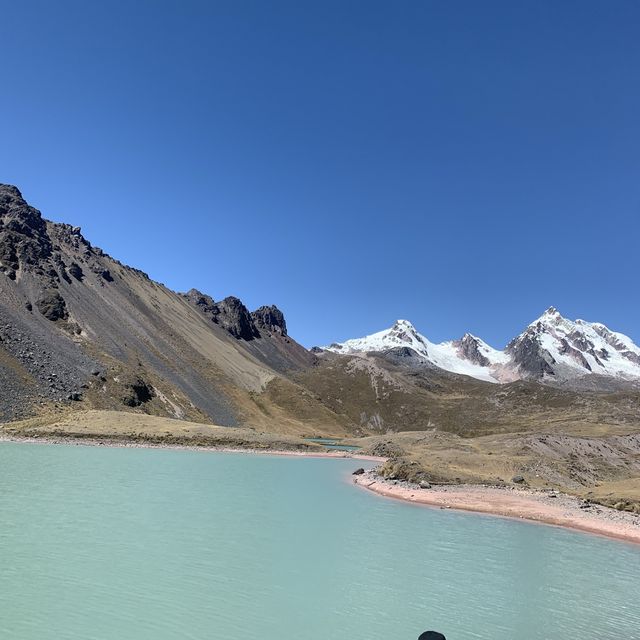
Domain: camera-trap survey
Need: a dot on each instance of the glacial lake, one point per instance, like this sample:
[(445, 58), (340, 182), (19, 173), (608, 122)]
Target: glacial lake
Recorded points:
[(149, 544)]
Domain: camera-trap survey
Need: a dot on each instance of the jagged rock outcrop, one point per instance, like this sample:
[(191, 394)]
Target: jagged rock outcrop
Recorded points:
[(204, 302), (230, 314), (263, 332), (235, 318), (270, 319), (23, 234)]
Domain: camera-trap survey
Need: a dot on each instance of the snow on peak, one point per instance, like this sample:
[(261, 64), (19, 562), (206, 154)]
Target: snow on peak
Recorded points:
[(450, 356), (550, 317), (401, 334), (574, 348)]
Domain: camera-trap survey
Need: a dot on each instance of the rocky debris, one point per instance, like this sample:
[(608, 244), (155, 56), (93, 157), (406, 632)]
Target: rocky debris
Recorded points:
[(358, 472), (403, 470), (135, 391), (52, 306), (36, 369), (627, 505), (387, 449), (75, 270), (518, 479), (270, 319)]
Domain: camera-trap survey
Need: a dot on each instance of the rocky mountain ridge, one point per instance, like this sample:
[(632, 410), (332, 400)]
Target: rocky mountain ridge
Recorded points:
[(77, 325)]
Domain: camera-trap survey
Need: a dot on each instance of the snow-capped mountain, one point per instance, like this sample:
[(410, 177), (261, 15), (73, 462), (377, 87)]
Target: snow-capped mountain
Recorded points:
[(565, 349), (551, 349), (469, 356)]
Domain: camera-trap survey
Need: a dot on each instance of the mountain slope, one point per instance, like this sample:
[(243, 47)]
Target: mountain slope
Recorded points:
[(76, 325)]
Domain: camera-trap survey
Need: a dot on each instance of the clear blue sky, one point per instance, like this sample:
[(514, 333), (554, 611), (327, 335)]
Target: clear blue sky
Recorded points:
[(460, 164)]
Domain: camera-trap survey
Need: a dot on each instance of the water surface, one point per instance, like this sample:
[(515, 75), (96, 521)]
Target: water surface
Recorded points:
[(334, 444), (136, 544)]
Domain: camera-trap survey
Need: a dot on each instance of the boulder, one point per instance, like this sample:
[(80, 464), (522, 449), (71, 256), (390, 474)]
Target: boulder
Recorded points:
[(52, 306)]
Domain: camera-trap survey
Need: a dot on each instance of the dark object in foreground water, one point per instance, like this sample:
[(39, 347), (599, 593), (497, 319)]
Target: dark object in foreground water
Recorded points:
[(431, 635)]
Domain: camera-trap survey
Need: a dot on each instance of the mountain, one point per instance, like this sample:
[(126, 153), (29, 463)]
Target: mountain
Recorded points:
[(78, 327), (468, 356), (555, 348), (551, 349)]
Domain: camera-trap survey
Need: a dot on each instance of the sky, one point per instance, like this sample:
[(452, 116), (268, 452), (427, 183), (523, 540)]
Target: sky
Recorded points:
[(460, 164)]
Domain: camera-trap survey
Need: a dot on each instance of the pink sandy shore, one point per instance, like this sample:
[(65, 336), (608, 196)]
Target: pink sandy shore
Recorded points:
[(561, 510)]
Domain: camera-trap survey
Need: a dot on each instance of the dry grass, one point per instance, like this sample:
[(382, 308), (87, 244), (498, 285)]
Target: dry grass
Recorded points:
[(139, 427), (603, 467)]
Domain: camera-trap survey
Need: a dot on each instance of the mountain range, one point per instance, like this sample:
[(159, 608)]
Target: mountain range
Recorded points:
[(79, 329), (552, 349)]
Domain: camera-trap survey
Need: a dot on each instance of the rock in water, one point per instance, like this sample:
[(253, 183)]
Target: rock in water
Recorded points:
[(431, 635), (358, 472)]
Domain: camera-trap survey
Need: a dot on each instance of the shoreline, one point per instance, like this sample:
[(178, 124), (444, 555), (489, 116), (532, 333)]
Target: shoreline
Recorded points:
[(123, 443), (547, 508)]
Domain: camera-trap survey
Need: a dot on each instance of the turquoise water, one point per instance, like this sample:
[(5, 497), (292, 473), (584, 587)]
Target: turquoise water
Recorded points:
[(334, 444), (124, 544)]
